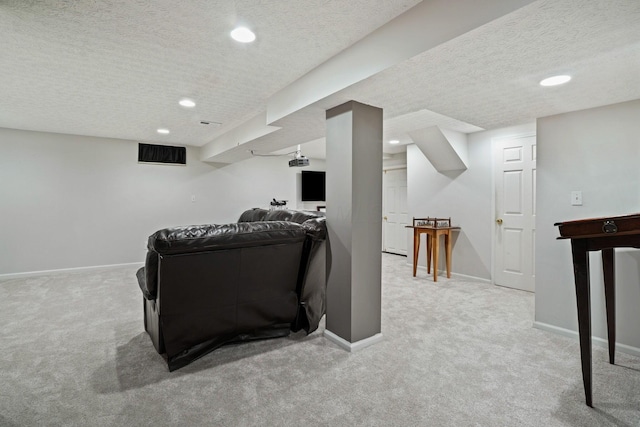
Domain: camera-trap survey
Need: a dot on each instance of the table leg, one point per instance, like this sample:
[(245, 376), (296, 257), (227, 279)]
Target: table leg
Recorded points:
[(447, 244), (608, 267), (435, 244), (429, 251), (581, 273), (416, 250)]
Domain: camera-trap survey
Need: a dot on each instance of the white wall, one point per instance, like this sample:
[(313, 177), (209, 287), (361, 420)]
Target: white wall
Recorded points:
[(596, 151), (465, 196), (71, 201)]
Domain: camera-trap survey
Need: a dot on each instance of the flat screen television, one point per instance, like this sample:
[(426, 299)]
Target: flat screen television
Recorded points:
[(313, 186)]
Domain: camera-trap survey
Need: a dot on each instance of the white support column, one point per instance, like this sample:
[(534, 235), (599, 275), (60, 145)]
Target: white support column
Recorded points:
[(354, 224)]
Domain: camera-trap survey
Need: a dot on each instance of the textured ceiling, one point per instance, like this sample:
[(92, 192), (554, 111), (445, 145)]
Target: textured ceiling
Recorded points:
[(489, 77), (117, 68)]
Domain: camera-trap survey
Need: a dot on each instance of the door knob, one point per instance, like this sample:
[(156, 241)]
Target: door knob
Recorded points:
[(499, 221), (384, 217)]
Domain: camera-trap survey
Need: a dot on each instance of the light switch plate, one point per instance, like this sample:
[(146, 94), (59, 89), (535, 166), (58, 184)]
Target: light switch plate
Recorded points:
[(576, 198)]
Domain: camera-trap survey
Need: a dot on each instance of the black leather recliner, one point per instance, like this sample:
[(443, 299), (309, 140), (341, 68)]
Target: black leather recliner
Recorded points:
[(208, 285)]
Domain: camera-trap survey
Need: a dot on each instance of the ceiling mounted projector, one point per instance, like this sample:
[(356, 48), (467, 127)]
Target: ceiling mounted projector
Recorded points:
[(298, 162)]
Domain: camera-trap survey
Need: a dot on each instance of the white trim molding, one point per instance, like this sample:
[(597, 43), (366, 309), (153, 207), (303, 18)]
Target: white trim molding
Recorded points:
[(634, 351), (465, 277), (352, 346), (67, 270), (443, 273), (393, 167)]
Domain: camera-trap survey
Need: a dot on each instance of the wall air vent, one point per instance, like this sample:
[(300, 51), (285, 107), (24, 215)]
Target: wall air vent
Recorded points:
[(151, 153)]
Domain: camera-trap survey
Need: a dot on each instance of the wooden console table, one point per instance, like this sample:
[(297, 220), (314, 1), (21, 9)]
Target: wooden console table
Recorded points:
[(597, 234), (433, 246)]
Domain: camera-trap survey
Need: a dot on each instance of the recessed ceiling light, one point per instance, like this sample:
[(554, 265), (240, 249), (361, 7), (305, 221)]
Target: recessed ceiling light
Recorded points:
[(394, 141), (186, 102), (163, 131), (555, 80), (243, 35)]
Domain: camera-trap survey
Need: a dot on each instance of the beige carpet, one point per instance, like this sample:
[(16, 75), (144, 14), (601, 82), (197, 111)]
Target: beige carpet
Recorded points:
[(455, 353)]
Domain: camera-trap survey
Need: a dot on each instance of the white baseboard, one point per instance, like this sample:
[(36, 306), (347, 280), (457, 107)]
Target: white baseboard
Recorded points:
[(443, 273), (67, 270), (466, 277), (352, 346), (634, 351)]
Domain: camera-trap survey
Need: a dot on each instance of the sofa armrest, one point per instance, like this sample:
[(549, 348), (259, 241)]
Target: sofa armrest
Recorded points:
[(142, 282), (150, 278), (316, 228)]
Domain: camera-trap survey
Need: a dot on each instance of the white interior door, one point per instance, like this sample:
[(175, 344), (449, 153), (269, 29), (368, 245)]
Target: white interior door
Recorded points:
[(395, 212), (515, 180)]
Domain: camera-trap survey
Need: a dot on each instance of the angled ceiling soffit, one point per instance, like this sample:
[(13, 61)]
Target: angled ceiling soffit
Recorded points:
[(445, 149)]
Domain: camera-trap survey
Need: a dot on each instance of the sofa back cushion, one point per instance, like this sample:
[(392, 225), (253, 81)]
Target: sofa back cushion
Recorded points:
[(202, 238), (290, 215), (313, 222), (252, 215), (212, 237)]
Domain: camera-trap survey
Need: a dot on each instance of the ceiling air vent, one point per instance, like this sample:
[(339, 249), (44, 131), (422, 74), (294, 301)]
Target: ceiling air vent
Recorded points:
[(209, 122)]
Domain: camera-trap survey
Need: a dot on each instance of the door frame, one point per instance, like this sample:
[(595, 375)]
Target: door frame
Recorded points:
[(384, 169), (494, 213)]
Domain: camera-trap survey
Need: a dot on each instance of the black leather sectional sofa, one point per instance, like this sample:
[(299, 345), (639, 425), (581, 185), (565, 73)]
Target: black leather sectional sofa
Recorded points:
[(208, 285)]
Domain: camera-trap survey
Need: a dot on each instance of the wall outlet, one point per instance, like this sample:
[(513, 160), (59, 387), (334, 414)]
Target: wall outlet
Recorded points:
[(576, 198), (193, 198)]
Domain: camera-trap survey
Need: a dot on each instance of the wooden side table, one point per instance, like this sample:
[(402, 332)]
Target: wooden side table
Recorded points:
[(597, 234), (433, 234)]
